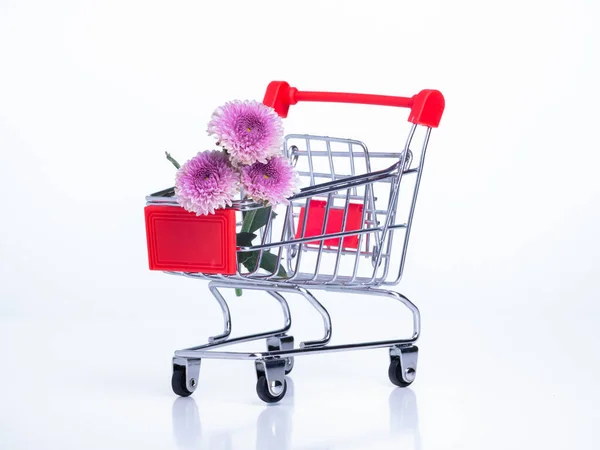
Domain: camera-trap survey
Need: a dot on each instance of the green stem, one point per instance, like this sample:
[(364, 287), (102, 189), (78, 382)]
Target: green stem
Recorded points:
[(246, 227)]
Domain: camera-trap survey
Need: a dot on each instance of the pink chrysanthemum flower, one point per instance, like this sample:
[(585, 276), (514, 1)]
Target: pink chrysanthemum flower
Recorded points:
[(272, 182), (250, 131), (206, 182)]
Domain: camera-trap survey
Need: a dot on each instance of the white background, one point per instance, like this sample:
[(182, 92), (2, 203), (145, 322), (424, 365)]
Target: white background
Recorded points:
[(503, 259)]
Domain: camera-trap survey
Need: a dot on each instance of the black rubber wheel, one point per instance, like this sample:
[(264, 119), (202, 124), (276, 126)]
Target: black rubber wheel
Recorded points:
[(178, 383), (263, 391), (395, 374)]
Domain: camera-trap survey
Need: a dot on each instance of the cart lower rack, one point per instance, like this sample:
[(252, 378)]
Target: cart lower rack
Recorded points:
[(346, 232)]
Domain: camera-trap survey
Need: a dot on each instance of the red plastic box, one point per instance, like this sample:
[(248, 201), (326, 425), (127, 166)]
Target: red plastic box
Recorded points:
[(180, 241)]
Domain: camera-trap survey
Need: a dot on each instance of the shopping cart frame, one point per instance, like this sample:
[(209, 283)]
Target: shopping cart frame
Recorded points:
[(277, 361)]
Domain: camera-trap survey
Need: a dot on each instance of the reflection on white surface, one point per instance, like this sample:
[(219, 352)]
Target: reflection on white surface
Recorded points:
[(275, 425), (186, 423), (404, 417)]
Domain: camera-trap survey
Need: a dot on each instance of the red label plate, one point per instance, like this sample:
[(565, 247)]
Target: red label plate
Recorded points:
[(181, 241)]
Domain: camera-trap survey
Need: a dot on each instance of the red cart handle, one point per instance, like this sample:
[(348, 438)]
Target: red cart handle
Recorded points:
[(426, 107)]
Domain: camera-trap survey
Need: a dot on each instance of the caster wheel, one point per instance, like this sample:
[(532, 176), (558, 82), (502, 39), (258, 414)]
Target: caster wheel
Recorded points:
[(284, 342), (289, 365), (395, 374), (403, 365), (263, 391), (178, 382)]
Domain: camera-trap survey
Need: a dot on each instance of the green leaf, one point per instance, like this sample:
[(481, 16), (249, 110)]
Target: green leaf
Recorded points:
[(260, 219), (244, 239), (256, 219), (173, 161), (253, 221), (268, 262), (248, 219), (248, 260)]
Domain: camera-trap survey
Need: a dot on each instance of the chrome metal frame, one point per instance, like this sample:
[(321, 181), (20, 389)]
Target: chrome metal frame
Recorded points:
[(360, 270)]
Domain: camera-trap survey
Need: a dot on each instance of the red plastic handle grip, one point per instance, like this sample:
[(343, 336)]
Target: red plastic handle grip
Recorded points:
[(426, 107)]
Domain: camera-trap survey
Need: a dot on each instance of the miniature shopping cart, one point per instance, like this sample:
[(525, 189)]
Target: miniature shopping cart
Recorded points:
[(347, 231)]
